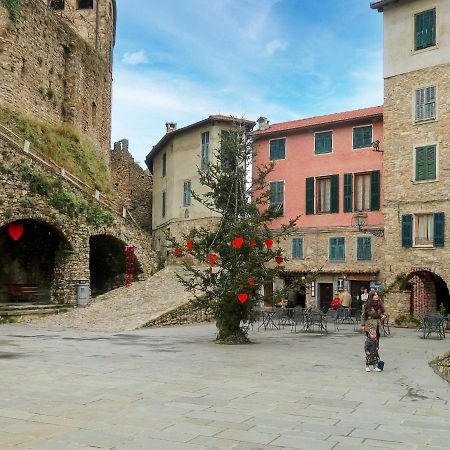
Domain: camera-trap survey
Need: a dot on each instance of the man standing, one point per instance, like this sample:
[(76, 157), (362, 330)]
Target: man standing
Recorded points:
[(346, 299)]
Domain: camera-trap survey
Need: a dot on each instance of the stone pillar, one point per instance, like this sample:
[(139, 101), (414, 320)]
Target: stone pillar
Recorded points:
[(397, 303)]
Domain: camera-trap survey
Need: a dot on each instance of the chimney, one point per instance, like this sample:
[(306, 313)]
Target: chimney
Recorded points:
[(263, 123), (125, 144), (117, 146), (170, 126)]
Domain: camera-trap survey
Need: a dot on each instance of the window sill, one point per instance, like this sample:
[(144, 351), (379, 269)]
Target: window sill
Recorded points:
[(424, 181), (337, 260), (424, 246), (363, 148), (418, 51), (422, 122), (323, 153)]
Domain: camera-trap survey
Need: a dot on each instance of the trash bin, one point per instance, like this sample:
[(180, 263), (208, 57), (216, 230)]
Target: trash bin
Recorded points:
[(83, 292)]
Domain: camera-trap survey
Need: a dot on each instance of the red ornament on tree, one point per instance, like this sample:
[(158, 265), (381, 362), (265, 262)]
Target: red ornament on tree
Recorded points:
[(279, 259), (130, 264), (237, 242), (269, 243), (251, 281), (178, 251), (253, 243), (242, 297), (189, 245), (212, 258), (15, 230)]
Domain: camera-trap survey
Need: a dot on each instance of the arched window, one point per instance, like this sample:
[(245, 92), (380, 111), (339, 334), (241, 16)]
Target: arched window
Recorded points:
[(56, 4), (85, 4)]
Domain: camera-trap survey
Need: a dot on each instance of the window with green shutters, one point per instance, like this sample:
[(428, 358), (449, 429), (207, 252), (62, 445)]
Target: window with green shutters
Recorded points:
[(425, 104), (277, 195), (364, 248), (337, 249), (407, 230), (310, 195), (187, 193), (426, 163), (439, 229), (297, 248), (348, 192), (277, 149), (323, 142), (425, 29), (362, 137), (205, 151)]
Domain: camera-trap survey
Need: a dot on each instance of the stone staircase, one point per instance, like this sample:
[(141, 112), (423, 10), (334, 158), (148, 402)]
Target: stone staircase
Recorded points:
[(125, 309), (17, 312)]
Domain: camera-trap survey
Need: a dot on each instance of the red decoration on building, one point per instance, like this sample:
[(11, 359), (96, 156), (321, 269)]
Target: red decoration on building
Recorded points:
[(178, 251), (130, 264), (237, 242), (15, 231), (279, 259), (251, 281), (269, 243), (212, 258), (242, 297), (189, 245), (253, 243)]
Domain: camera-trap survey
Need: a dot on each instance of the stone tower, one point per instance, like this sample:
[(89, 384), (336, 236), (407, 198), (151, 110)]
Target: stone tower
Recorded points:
[(93, 20)]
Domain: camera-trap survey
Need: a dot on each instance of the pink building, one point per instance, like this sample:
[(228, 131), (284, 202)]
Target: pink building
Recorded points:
[(326, 170)]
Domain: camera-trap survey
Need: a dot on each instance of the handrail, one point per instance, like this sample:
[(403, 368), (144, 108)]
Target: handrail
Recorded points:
[(60, 171)]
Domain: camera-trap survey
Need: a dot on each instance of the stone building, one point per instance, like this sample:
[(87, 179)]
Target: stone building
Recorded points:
[(174, 163), (55, 63), (326, 171), (416, 151)]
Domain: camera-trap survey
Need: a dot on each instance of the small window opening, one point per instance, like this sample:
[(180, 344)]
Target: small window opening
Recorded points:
[(85, 4), (56, 4)]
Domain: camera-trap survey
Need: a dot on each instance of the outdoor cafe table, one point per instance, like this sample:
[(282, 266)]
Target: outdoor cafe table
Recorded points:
[(267, 316)]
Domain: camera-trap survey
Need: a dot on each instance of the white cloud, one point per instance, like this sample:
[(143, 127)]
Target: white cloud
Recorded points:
[(135, 58), (275, 45)]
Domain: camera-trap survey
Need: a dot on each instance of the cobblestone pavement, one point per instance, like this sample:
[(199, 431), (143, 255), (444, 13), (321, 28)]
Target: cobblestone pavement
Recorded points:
[(125, 309), (174, 388)]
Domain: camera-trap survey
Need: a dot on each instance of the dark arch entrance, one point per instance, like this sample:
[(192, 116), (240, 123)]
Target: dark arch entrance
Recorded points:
[(428, 292), (107, 263), (27, 264)]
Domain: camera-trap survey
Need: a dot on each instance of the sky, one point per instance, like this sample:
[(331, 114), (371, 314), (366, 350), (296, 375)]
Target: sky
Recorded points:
[(183, 60)]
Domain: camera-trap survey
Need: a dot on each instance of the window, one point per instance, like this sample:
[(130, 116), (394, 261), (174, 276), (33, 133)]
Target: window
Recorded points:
[(425, 29), (277, 149), (277, 196), (426, 163), (297, 248), (323, 142), (94, 114), (424, 229), (163, 209), (337, 249), (85, 4), (164, 165), (57, 4), (187, 193), (362, 192), (205, 151), (364, 249), (362, 137), (323, 190), (425, 104)]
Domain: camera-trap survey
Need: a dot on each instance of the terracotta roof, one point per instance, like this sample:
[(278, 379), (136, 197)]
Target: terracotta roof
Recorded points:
[(317, 121), (210, 120)]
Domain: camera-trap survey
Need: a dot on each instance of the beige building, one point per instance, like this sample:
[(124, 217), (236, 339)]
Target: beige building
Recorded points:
[(416, 151), (174, 163)]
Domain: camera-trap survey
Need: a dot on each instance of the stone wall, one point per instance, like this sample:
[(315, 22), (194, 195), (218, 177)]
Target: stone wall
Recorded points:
[(132, 185), (49, 72)]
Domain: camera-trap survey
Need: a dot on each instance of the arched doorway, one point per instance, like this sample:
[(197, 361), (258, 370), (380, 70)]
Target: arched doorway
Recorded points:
[(30, 251), (428, 292), (107, 263)]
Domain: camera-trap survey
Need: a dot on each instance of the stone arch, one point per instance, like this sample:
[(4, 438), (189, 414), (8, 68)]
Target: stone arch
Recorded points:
[(33, 253), (428, 291)]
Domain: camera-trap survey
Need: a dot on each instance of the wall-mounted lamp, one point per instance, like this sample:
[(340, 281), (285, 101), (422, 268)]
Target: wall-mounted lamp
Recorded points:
[(360, 220)]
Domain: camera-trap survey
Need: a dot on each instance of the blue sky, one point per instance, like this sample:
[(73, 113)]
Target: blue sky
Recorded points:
[(183, 60)]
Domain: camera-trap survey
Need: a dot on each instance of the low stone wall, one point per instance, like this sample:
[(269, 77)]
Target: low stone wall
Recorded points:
[(441, 365), (186, 314)]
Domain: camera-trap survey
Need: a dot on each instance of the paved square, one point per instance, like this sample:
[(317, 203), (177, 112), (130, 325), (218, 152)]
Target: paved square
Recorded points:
[(175, 388)]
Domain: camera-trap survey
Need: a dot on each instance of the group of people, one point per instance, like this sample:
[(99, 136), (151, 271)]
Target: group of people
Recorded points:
[(373, 313)]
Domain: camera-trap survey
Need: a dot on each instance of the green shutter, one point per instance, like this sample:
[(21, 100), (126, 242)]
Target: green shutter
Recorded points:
[(277, 149), (425, 27), (364, 249), (310, 195), (431, 162), (439, 229), (420, 163), (362, 137), (333, 248), (323, 142), (375, 191), (334, 193), (337, 249), (407, 230), (426, 163), (348, 192), (297, 247)]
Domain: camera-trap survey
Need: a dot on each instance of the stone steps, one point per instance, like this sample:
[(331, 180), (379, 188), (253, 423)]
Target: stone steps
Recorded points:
[(18, 312)]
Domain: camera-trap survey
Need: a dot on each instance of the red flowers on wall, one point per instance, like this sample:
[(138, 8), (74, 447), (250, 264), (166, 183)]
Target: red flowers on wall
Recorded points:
[(242, 297), (269, 243), (212, 258), (237, 242), (279, 259)]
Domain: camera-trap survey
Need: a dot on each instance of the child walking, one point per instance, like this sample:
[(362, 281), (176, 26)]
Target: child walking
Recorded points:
[(371, 347)]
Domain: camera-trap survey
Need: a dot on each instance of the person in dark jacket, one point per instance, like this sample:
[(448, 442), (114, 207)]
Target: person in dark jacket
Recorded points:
[(371, 348), (373, 312)]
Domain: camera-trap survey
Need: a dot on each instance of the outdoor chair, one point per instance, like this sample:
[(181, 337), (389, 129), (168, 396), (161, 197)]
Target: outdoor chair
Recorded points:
[(332, 317), (434, 323), (298, 318), (317, 318)]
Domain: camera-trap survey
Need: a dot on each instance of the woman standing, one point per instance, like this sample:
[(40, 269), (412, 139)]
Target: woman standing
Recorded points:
[(373, 312)]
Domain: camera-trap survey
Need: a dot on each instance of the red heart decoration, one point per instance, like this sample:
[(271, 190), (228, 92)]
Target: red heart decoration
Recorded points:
[(237, 242), (212, 258), (189, 245), (279, 259), (251, 281), (15, 230), (242, 297), (269, 243), (253, 243), (178, 252)]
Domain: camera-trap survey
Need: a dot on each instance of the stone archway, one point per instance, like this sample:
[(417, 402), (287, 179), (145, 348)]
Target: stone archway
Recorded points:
[(427, 292), (31, 264)]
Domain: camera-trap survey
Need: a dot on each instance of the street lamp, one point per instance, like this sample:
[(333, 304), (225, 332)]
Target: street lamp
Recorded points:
[(360, 220)]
